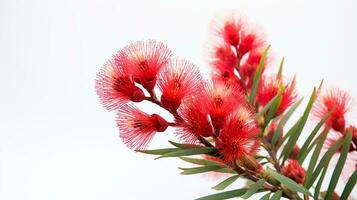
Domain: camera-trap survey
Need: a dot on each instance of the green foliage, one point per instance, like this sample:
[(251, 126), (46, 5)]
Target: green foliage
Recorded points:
[(225, 183)]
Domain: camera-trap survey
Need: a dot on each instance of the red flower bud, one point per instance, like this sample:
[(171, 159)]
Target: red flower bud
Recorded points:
[(294, 171)]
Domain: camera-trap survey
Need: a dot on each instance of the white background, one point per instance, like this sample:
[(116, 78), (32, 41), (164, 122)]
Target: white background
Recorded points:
[(56, 140)]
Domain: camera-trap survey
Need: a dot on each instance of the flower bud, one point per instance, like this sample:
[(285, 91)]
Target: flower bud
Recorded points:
[(249, 162)]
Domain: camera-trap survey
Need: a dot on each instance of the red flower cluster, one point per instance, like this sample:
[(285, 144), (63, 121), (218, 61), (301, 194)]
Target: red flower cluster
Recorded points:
[(294, 171)]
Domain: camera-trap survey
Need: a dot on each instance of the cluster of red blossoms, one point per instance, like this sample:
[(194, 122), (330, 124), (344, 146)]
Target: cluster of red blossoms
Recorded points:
[(214, 112)]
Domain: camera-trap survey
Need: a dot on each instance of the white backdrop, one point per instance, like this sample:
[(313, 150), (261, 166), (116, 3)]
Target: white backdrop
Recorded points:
[(56, 140)]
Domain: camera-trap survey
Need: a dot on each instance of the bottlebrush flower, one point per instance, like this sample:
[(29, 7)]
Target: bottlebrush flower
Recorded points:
[(268, 89), (138, 128), (249, 66), (238, 138), (228, 28), (144, 59), (195, 120), (250, 40), (294, 171), (178, 79), (115, 86), (221, 99), (223, 59), (338, 101)]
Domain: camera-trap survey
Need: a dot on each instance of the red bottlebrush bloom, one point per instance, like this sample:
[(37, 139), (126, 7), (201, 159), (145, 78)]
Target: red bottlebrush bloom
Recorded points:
[(221, 99), (196, 121), (250, 40), (138, 128), (116, 87), (228, 28), (177, 80), (144, 59), (268, 89), (239, 136), (338, 101), (294, 171), (223, 59)]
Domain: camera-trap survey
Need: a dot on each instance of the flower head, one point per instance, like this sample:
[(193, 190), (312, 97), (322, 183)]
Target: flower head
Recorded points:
[(238, 138), (269, 88), (115, 86), (337, 101), (249, 66), (138, 128), (221, 99), (250, 41), (178, 79), (294, 171), (195, 120), (228, 28), (223, 59), (144, 59)]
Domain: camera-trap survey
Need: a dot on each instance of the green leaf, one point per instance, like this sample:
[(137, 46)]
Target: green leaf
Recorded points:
[(303, 150), (266, 196), (183, 146), (257, 75), (276, 196), (266, 107), (224, 184), (226, 170), (158, 151), (253, 188), (274, 107), (283, 121), (289, 183), (280, 72), (198, 170), (200, 161), (349, 186), (189, 152), (339, 166), (315, 157), (324, 162), (297, 131), (319, 184), (224, 195)]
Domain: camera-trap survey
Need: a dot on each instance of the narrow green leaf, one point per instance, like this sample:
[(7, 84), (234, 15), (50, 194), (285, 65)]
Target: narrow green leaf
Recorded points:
[(276, 196), (183, 146), (303, 150), (188, 152), (224, 195), (226, 170), (257, 75), (225, 183), (297, 132), (274, 107), (289, 183), (283, 121), (349, 186), (266, 107), (200, 161), (315, 157), (324, 162), (339, 166), (266, 196), (280, 72), (319, 184), (158, 151), (253, 188), (198, 170)]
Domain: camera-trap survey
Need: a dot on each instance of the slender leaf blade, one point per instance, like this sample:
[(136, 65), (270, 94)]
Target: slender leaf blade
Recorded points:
[(200, 161), (289, 183), (253, 188), (225, 183), (277, 195), (158, 151), (349, 186), (339, 166), (257, 76), (198, 170), (266, 196), (225, 195), (189, 152), (319, 184)]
